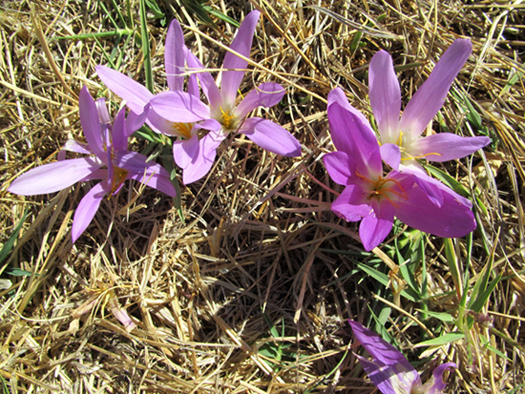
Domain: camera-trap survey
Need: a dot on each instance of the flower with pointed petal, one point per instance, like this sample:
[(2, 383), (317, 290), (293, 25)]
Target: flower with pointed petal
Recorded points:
[(223, 107), (190, 115), (390, 371), (110, 161), (401, 144), (183, 114), (374, 198)]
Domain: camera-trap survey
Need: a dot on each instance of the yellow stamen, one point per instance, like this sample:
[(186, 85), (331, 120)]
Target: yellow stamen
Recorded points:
[(183, 129), (399, 141), (410, 157), (379, 190), (227, 120)]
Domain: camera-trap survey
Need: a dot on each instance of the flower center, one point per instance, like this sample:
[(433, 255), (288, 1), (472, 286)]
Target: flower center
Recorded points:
[(383, 188), (228, 120), (406, 155), (183, 129), (119, 176)]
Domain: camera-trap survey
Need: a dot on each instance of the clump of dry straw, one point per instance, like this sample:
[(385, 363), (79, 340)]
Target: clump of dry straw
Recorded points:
[(250, 290)]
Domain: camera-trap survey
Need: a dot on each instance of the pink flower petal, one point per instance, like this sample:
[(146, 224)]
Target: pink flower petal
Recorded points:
[(119, 132), (135, 122), (77, 147), (87, 208), (337, 166), (157, 178), (430, 97), (179, 107), (208, 85), (338, 96), (147, 172), (387, 378), (378, 348), (385, 96), (184, 151), (203, 161), (53, 177), (174, 56), (89, 118), (159, 124), (265, 95), (271, 136), (121, 315), (210, 124), (436, 385), (355, 138), (136, 95), (391, 155), (446, 146), (375, 227), (451, 219), (242, 44), (351, 204), (193, 85)]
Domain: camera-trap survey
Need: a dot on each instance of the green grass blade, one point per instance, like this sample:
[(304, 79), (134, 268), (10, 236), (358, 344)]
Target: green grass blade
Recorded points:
[(102, 34), (108, 14), (442, 340), (442, 316), (448, 180), (221, 16), (406, 273), (116, 7), (8, 246), (5, 389), (18, 272), (198, 9), (146, 51), (409, 294), (157, 12), (482, 298)]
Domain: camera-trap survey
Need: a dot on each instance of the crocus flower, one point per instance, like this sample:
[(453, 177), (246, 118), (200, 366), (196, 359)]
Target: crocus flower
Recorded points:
[(182, 114), (374, 198), (109, 161), (390, 371), (223, 99), (401, 144), (195, 156)]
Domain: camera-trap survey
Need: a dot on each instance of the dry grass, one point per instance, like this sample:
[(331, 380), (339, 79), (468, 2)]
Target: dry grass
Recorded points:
[(251, 292)]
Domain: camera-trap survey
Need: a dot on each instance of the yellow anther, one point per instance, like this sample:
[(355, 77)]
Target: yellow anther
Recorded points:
[(410, 157), (227, 120), (380, 190), (183, 129), (399, 141)]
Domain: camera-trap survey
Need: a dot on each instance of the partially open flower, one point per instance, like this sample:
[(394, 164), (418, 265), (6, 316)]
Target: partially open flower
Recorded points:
[(390, 371), (183, 114), (401, 144)]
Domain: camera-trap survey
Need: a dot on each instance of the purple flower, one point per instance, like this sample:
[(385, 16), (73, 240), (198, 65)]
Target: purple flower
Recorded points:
[(375, 198), (401, 144), (390, 371), (110, 161), (177, 113), (195, 156), (223, 101)]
